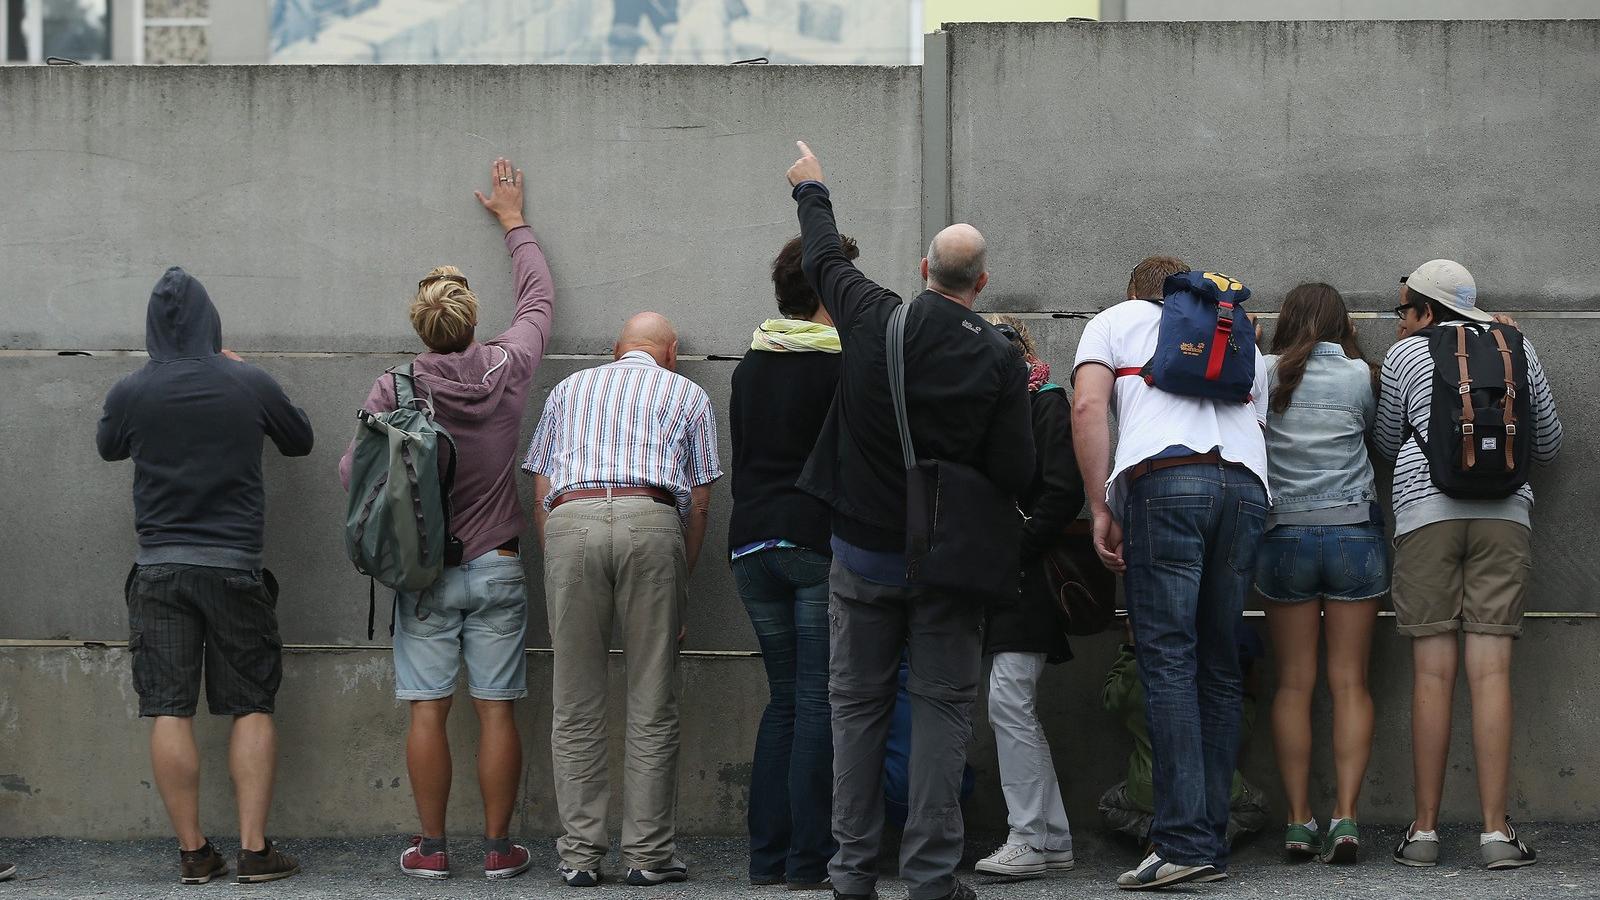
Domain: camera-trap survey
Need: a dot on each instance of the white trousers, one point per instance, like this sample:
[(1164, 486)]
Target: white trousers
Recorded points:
[(1027, 773)]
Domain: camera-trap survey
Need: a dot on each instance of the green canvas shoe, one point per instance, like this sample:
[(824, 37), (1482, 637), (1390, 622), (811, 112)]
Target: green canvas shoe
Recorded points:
[(1342, 845), (1301, 841)]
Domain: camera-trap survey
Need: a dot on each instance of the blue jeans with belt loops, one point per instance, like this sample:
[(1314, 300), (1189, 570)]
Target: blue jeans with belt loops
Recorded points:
[(1191, 534)]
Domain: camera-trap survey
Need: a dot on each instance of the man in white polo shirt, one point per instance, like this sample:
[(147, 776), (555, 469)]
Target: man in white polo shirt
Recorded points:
[(1181, 517)]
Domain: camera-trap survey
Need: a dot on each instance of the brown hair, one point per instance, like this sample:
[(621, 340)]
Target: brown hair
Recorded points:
[(796, 299), (1311, 313), (445, 311), (1149, 276), (1029, 350)]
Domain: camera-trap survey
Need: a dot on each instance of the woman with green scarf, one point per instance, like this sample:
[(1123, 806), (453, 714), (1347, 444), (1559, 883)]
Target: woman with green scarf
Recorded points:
[(778, 540)]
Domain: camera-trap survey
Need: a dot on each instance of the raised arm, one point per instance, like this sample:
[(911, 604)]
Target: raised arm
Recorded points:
[(530, 327), (842, 287)]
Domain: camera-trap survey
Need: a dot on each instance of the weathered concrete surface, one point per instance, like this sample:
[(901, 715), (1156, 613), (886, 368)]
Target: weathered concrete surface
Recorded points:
[(1237, 10), (1344, 152), (311, 199), (363, 869), (343, 768), (82, 513)]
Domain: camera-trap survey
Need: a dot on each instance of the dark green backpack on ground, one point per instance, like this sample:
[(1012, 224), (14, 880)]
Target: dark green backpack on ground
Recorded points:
[(397, 518)]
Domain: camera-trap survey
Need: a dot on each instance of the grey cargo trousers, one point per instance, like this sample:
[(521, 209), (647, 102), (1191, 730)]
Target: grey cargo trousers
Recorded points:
[(869, 625)]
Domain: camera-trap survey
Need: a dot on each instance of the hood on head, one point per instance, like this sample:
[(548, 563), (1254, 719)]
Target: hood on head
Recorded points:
[(181, 321)]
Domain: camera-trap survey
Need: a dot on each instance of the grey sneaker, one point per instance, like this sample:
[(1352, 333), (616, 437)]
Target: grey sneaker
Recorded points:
[(1059, 860), (673, 869), (1015, 860), (1421, 853), (1156, 873), (1510, 853), (7, 870)]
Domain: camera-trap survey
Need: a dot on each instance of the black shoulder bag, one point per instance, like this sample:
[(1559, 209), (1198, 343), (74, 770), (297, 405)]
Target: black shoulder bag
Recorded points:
[(962, 532)]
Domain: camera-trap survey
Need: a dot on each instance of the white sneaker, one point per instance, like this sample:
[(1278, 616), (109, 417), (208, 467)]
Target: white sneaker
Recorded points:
[(1013, 860), (1155, 873), (1059, 860)]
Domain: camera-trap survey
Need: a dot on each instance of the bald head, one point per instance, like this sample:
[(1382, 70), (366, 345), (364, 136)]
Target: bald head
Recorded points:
[(955, 262), (652, 333)]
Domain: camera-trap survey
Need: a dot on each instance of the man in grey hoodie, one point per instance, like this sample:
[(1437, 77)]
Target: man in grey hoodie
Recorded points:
[(193, 420)]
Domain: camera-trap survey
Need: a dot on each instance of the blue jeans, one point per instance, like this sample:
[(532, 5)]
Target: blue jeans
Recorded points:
[(477, 611), (1310, 562), (1190, 535), (785, 591)]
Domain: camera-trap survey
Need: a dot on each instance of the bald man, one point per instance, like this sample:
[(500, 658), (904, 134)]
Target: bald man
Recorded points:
[(967, 402), (622, 460)]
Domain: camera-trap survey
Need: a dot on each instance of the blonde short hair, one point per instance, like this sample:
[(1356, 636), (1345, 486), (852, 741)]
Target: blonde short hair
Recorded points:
[(445, 312)]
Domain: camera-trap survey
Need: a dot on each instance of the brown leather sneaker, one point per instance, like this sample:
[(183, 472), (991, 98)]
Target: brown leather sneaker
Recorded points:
[(268, 865), (200, 866)]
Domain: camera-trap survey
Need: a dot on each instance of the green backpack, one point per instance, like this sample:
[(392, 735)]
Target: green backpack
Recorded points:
[(397, 518)]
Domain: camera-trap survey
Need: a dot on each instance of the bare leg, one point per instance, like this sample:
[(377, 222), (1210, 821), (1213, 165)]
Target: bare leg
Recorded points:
[(1349, 629), (1433, 685), (428, 763), (175, 762), (253, 762), (499, 764), (1489, 677), (1295, 628)]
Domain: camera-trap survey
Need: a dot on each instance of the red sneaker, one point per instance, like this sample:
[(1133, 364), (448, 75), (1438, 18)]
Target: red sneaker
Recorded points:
[(417, 864), (506, 865)]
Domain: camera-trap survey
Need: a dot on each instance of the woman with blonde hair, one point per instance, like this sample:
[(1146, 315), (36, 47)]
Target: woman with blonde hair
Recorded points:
[(1021, 638)]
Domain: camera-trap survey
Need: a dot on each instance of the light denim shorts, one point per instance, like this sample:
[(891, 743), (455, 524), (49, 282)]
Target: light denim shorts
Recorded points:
[(1336, 562), (477, 610)]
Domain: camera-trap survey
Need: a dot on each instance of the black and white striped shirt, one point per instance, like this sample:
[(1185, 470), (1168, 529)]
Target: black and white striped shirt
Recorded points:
[(1406, 395)]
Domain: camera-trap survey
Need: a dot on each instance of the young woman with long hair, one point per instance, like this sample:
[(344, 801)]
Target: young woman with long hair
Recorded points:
[(1324, 563)]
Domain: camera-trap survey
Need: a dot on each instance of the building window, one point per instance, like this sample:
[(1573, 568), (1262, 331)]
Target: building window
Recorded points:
[(34, 30)]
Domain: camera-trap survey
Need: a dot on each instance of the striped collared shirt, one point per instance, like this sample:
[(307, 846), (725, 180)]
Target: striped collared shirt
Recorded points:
[(627, 423)]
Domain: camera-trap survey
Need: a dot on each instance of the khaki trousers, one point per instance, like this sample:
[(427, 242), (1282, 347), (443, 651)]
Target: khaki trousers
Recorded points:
[(619, 561)]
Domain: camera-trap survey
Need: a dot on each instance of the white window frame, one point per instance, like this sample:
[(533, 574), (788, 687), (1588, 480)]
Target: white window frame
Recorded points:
[(33, 31)]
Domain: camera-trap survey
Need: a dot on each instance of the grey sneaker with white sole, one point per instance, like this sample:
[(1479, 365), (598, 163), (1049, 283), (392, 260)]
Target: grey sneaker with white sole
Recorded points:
[(1417, 852), (1504, 850)]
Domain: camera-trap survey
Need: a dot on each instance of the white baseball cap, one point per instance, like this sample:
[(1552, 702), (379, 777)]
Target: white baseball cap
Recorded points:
[(1448, 282)]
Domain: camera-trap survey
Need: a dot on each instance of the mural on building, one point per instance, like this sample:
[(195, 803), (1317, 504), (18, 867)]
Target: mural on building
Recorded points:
[(596, 31)]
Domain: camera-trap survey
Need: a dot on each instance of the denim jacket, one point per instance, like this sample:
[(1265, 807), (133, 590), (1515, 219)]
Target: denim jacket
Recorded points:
[(1316, 449)]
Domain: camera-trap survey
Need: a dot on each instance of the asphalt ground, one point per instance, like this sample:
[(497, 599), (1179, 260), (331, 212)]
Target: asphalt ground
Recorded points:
[(57, 869)]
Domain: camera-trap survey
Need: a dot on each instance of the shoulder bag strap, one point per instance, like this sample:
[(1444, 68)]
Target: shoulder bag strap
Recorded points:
[(894, 340), (1508, 404), (1469, 444)]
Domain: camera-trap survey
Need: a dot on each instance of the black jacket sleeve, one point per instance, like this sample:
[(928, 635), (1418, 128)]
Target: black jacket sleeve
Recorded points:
[(111, 437), (1060, 492), (1008, 447), (842, 287), (287, 424)]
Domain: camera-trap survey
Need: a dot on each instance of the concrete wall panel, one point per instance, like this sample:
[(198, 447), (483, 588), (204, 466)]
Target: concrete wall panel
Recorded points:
[(1344, 152), (342, 763), (310, 200)]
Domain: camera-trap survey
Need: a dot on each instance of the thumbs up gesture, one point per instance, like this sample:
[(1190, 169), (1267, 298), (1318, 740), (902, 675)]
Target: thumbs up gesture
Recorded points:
[(806, 168)]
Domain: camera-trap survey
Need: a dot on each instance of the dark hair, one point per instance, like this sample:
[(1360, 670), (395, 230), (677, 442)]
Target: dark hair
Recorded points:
[(796, 299), (1440, 312), (1150, 276), (1311, 313)]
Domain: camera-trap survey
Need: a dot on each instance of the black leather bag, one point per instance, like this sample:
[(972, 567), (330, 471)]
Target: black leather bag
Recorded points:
[(1084, 590), (962, 532)]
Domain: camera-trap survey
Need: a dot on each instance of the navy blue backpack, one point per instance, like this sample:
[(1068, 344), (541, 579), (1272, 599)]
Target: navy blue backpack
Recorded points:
[(1206, 346)]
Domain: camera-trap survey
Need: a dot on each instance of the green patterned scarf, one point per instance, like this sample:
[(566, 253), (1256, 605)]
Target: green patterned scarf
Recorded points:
[(795, 336)]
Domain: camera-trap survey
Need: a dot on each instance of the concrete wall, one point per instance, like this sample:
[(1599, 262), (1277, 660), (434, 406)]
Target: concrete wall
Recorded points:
[(310, 200), (1245, 10)]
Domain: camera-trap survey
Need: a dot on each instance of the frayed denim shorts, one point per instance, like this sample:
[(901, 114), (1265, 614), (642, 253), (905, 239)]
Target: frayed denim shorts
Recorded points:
[(1337, 562)]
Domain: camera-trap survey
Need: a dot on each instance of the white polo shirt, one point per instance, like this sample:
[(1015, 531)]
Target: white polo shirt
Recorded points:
[(1151, 420)]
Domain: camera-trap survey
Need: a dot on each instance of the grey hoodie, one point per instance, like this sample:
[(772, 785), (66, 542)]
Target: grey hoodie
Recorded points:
[(193, 422)]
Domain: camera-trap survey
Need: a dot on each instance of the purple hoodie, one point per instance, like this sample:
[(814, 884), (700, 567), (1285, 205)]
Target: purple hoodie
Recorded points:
[(479, 395)]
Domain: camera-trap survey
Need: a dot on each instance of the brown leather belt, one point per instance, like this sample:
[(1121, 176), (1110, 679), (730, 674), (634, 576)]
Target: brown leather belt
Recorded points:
[(1212, 458), (615, 493)]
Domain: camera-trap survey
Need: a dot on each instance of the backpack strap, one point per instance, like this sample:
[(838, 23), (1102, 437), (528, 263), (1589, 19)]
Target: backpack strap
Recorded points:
[(1220, 339), (1469, 446), (1508, 402)]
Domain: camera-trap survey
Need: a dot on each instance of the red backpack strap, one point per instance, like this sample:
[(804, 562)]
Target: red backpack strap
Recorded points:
[(1219, 340)]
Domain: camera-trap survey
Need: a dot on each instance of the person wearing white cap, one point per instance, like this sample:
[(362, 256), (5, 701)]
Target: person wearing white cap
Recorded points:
[(1462, 509)]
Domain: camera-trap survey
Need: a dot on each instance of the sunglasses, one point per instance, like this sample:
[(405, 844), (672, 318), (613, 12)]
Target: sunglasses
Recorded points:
[(1010, 333), (432, 278)]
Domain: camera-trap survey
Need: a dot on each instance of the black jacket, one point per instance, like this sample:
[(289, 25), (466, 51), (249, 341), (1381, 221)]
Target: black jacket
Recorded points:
[(1053, 501), (193, 421), (779, 403), (966, 393)]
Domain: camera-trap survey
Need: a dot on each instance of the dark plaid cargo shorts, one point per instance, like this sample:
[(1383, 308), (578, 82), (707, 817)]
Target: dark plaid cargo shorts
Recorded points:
[(180, 616)]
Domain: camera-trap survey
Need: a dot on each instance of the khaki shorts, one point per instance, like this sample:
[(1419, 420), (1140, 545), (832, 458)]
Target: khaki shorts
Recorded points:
[(1462, 574)]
